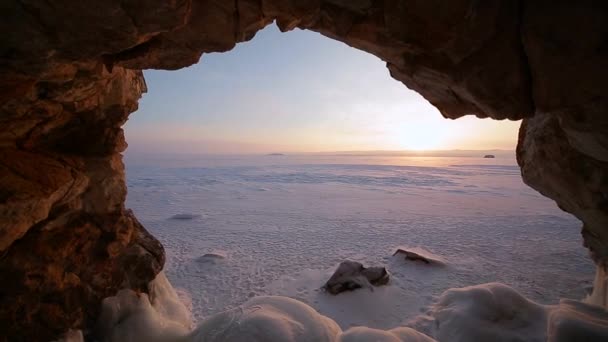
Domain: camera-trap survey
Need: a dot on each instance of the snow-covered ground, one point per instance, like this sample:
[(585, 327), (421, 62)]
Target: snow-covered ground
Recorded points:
[(281, 224)]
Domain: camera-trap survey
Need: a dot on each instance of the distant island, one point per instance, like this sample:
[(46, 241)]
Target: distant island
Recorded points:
[(489, 156), (275, 154)]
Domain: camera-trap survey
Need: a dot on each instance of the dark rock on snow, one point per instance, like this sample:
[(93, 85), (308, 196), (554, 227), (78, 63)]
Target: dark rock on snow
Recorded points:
[(351, 275)]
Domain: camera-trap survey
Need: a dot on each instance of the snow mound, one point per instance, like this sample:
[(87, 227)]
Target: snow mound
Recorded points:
[(268, 319), (364, 334), (184, 216), (488, 312), (132, 317)]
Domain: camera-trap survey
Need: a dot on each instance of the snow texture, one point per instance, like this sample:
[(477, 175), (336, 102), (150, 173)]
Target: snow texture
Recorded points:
[(282, 226), (487, 312)]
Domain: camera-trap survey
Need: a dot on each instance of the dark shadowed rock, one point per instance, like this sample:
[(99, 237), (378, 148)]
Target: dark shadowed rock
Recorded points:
[(376, 275), (351, 275)]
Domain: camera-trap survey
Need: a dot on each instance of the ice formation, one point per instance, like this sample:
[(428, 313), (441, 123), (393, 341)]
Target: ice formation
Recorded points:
[(266, 319), (487, 312), (133, 317), (599, 296)]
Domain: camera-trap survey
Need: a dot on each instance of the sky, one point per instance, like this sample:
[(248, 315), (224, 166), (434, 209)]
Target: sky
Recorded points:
[(296, 92)]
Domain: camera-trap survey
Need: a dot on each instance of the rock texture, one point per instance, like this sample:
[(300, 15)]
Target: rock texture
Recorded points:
[(66, 239), (352, 275), (70, 75)]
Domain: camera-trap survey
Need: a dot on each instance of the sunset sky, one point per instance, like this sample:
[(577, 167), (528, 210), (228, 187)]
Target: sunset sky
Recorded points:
[(296, 92)]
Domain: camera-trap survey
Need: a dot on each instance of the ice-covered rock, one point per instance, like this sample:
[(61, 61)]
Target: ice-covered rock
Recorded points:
[(418, 254), (488, 312), (352, 275), (133, 317), (212, 257), (497, 312)]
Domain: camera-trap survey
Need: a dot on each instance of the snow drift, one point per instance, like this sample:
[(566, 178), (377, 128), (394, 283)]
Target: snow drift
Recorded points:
[(487, 312)]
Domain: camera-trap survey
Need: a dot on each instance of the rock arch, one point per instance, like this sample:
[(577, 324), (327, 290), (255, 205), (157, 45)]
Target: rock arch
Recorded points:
[(71, 74)]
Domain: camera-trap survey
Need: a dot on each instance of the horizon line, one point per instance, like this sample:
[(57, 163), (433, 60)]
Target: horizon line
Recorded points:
[(337, 152)]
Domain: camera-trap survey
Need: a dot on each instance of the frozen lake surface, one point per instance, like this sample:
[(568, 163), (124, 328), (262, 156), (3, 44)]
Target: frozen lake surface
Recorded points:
[(279, 225)]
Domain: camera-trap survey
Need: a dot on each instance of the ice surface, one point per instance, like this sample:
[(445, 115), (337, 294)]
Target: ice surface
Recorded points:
[(474, 214)]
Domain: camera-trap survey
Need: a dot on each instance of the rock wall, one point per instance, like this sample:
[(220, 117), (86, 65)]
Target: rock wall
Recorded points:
[(66, 239), (70, 73)]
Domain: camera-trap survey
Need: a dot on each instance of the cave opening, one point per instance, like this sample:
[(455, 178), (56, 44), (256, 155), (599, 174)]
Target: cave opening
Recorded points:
[(274, 214), (72, 74)]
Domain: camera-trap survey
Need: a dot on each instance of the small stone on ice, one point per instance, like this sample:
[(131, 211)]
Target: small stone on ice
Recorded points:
[(184, 216), (413, 256), (208, 257)]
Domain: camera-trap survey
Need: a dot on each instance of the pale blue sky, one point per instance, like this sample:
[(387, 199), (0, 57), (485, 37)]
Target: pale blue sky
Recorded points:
[(294, 92)]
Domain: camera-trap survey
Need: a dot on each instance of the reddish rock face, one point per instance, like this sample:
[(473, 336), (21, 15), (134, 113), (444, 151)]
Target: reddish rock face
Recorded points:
[(70, 74), (66, 239)]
